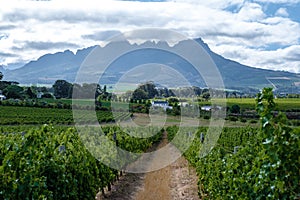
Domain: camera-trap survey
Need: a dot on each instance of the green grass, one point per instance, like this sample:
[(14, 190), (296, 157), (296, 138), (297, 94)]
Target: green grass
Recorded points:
[(67, 101), (288, 104), (249, 103)]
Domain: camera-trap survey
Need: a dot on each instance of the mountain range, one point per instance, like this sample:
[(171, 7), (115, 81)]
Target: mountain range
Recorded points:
[(163, 66)]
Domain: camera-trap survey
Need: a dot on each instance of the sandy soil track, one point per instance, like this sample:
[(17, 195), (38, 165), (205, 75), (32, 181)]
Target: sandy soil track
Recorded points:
[(177, 181)]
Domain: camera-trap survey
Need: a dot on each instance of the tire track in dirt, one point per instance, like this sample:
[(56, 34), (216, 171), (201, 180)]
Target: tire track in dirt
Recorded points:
[(183, 181), (156, 183), (176, 181)]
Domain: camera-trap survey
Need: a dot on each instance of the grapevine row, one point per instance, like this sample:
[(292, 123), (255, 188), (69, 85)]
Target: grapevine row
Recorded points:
[(53, 163), (249, 163), (26, 115)]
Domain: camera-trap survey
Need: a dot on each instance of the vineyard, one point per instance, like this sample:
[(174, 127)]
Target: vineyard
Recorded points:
[(242, 166), (14, 115), (53, 163), (60, 162), (248, 163)]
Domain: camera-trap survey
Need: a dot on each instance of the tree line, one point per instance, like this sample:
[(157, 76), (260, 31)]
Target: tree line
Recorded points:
[(60, 89)]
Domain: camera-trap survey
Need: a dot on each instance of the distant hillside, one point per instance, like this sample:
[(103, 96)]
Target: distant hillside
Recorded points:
[(49, 67), (64, 65)]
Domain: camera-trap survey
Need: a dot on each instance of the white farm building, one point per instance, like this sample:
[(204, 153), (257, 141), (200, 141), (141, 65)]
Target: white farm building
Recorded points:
[(161, 104), (2, 97)]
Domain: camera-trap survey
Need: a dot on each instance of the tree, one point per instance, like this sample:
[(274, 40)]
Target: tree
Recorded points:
[(197, 90), (13, 91), (139, 94), (98, 101), (4, 84), (235, 109), (149, 88), (206, 95), (173, 101), (104, 94), (1, 76), (43, 89), (165, 92), (62, 89), (30, 94), (47, 96), (145, 91)]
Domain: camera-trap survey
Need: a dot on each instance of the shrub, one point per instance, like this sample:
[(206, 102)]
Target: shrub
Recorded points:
[(243, 120), (206, 117), (233, 119)]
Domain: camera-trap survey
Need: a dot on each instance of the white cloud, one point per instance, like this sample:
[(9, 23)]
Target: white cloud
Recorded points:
[(221, 4), (287, 59), (33, 25), (282, 12), (251, 12)]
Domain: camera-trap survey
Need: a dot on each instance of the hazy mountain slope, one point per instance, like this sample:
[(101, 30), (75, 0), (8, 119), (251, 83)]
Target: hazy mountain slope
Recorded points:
[(64, 65)]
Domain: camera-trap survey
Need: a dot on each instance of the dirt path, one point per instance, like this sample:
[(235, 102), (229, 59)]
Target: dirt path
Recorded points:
[(156, 183), (176, 181), (183, 181)]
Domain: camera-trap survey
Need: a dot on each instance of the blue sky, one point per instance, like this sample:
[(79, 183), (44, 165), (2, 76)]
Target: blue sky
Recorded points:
[(258, 33)]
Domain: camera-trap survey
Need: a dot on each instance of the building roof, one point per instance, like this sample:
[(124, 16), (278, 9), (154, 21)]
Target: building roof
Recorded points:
[(160, 102)]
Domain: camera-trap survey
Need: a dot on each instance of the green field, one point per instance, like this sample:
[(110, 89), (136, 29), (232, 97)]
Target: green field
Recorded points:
[(18, 115), (15, 115), (284, 104), (88, 102)]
